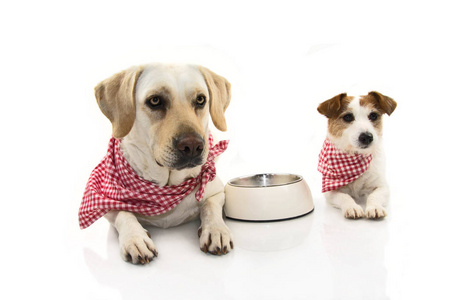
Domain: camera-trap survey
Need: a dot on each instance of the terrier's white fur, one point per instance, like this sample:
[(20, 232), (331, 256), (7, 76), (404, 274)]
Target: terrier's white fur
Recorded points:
[(371, 186)]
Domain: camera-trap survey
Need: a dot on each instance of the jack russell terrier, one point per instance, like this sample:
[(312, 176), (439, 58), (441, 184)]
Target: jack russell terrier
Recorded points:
[(352, 159)]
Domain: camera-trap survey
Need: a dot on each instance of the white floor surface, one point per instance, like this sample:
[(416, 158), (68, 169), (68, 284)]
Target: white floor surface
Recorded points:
[(282, 58)]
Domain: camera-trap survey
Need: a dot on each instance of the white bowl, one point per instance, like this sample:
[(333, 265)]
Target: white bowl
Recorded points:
[(267, 197)]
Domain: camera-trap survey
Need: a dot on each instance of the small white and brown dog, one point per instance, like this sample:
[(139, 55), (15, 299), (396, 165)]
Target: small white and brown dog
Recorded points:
[(352, 158), (160, 119)]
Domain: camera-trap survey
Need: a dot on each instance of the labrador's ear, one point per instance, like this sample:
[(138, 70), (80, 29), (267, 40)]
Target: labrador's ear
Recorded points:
[(331, 107), (386, 103), (220, 95), (116, 99)]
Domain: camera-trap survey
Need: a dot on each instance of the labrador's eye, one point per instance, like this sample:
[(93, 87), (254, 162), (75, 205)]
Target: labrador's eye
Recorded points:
[(200, 101), (348, 118), (154, 102)]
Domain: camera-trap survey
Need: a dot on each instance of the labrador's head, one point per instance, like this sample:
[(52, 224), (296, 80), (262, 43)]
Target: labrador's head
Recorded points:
[(167, 107)]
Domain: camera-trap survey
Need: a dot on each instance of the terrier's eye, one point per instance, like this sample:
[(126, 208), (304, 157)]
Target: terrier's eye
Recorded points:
[(200, 101), (373, 116), (154, 102), (348, 118)]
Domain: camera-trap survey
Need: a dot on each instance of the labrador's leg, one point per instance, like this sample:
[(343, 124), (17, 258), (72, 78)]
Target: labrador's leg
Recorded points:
[(215, 237), (136, 246)]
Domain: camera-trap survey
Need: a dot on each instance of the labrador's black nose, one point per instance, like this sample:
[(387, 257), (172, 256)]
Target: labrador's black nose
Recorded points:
[(190, 145), (365, 138)]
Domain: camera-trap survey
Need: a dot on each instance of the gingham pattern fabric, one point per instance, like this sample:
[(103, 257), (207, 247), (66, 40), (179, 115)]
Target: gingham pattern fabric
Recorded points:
[(339, 168), (114, 185)]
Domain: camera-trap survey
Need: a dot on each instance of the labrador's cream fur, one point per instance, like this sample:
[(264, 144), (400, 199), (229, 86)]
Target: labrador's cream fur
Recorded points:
[(147, 144)]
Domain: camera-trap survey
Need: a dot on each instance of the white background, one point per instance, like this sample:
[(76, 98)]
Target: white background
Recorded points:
[(282, 58)]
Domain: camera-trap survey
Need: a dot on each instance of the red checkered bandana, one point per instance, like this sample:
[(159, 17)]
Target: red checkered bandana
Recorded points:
[(339, 168), (114, 185)]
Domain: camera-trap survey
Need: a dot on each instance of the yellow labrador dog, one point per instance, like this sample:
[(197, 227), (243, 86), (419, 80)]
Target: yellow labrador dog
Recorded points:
[(161, 114)]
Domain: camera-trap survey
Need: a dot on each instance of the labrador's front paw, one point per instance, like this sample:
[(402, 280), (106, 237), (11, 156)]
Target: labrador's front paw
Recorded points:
[(215, 239), (137, 248)]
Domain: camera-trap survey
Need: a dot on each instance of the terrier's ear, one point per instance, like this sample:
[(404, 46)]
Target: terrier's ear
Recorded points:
[(386, 103), (331, 107)]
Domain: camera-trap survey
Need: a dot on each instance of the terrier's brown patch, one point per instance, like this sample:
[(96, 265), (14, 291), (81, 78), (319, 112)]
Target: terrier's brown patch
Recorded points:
[(334, 109)]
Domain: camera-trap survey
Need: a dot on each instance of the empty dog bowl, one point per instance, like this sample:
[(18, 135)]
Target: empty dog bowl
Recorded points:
[(267, 197)]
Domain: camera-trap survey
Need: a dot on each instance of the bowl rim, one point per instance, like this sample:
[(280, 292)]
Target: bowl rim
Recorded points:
[(299, 178)]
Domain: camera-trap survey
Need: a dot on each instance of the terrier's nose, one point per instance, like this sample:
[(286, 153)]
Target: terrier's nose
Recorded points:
[(190, 145), (365, 138)]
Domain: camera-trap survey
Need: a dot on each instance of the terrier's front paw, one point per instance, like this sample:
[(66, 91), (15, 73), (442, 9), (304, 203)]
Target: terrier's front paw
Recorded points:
[(137, 248), (353, 212), (375, 212), (215, 239)]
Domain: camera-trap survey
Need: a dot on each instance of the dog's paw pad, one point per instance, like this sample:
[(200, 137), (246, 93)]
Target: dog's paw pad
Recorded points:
[(375, 212), (138, 248), (215, 239), (353, 212)]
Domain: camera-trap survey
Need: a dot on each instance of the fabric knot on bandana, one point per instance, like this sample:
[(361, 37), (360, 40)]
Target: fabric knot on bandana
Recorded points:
[(339, 168), (114, 185)]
